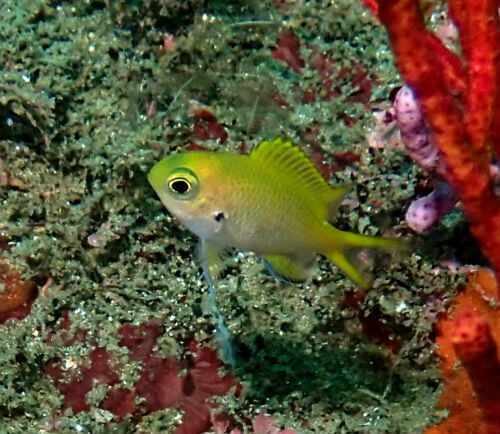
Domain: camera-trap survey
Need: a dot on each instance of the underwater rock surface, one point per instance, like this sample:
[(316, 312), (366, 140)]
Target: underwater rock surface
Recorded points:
[(92, 94)]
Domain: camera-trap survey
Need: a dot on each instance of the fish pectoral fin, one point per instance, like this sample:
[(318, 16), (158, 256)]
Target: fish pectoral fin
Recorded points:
[(211, 256), (285, 268)]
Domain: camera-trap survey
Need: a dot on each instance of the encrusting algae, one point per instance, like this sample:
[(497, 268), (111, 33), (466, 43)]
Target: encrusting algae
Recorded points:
[(273, 202)]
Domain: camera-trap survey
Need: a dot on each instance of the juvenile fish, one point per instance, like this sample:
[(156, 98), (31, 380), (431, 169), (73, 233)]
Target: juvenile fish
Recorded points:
[(273, 202)]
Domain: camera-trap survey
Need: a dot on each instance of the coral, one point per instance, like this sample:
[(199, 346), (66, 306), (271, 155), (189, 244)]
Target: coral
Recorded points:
[(330, 76), (373, 325), (464, 136), (468, 339), (372, 5), (267, 425), (162, 387)]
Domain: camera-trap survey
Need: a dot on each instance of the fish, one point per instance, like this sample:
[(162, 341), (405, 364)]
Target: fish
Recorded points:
[(273, 202)]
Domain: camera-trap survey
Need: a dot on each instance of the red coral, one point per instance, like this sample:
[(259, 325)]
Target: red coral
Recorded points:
[(280, 100), (17, 295), (468, 335), (160, 383), (263, 424), (372, 5), (466, 127), (324, 66), (288, 51), (193, 146), (318, 156), (361, 81)]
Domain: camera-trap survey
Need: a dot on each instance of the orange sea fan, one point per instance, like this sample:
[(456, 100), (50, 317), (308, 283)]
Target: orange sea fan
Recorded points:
[(468, 339), (458, 94)]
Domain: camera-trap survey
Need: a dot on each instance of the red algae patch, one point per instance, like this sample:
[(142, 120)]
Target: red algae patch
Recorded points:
[(186, 384), (17, 295)]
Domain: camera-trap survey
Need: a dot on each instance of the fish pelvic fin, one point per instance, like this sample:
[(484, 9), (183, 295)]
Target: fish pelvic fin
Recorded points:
[(342, 240), (285, 268), (212, 259)]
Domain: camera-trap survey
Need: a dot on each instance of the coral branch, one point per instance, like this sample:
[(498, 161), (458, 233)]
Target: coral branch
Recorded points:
[(372, 5), (477, 351), (463, 148), (451, 65), (470, 335), (483, 36)]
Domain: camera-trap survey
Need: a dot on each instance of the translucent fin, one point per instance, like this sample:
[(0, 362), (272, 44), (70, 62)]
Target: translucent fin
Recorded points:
[(211, 256), (285, 268), (334, 202), (359, 240), (342, 240), (350, 270), (289, 160)]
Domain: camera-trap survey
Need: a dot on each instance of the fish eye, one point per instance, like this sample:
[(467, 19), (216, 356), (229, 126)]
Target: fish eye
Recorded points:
[(180, 185)]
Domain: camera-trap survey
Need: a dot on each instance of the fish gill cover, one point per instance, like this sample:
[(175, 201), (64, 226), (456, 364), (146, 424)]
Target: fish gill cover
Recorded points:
[(101, 297)]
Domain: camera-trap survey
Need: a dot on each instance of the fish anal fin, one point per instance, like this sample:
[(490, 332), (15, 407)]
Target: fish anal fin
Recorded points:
[(286, 268)]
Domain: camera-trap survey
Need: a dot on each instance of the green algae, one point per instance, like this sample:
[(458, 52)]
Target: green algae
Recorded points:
[(77, 135)]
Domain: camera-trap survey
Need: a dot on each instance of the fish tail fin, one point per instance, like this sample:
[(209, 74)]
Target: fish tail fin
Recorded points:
[(338, 257), (343, 240), (358, 240)]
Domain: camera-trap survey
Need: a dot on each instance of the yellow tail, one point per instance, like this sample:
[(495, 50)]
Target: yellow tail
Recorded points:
[(343, 239)]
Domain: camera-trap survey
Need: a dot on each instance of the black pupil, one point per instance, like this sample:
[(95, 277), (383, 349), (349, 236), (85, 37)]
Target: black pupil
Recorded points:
[(180, 186)]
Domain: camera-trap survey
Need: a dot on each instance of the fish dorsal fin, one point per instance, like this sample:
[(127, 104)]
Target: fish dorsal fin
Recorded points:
[(289, 160)]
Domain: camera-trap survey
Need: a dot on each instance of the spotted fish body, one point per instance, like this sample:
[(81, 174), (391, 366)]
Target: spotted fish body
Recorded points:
[(273, 202)]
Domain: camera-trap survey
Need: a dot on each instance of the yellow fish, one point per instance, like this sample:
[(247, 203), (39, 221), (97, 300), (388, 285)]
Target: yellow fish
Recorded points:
[(273, 202)]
